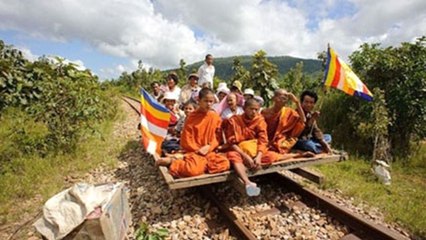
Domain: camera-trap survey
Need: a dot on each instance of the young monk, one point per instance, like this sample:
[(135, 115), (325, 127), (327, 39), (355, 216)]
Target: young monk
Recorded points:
[(199, 139), (284, 123), (171, 142), (248, 138)]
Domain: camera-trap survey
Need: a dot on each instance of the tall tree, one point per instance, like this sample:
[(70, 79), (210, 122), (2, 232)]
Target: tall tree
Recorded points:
[(263, 76), (240, 72), (182, 71), (293, 80)]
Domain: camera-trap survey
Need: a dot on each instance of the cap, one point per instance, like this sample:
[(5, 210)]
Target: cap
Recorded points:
[(237, 84), (259, 99), (193, 75), (249, 91), (222, 85), (222, 88), (169, 96)]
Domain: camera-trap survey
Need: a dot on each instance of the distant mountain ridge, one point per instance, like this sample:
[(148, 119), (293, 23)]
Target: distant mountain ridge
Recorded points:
[(224, 71)]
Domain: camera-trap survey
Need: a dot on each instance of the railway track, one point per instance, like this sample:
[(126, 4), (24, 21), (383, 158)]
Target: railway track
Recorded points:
[(284, 199)]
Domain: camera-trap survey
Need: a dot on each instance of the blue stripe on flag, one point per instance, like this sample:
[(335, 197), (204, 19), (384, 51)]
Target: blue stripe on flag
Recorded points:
[(151, 101), (327, 66), (363, 96)]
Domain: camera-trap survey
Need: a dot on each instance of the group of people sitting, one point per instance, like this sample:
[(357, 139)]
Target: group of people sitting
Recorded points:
[(209, 131)]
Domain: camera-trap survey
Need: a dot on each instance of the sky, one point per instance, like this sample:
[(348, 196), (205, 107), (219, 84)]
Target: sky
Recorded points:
[(111, 36)]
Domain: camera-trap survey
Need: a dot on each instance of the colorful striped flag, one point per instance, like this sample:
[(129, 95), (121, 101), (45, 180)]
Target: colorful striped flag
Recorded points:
[(154, 123), (339, 75)]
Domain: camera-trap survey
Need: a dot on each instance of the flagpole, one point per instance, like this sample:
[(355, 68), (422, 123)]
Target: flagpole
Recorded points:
[(321, 100)]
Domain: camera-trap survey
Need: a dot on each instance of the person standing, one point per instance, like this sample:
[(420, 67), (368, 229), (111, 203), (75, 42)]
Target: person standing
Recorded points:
[(206, 72)]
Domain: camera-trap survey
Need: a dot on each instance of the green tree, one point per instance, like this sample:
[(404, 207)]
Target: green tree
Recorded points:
[(18, 83), (240, 72), (376, 126), (263, 76), (293, 80), (140, 78), (182, 71)]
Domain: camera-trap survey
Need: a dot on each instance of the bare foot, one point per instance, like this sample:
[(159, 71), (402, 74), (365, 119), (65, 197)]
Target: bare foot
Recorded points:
[(165, 161), (307, 154), (156, 157)]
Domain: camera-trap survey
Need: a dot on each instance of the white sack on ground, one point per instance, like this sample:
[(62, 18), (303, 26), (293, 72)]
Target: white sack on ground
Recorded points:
[(68, 209)]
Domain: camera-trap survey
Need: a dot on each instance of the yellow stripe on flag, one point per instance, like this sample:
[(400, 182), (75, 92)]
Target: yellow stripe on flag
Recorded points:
[(159, 114)]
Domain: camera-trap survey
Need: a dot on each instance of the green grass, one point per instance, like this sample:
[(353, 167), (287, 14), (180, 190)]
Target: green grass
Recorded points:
[(403, 202), (30, 174)]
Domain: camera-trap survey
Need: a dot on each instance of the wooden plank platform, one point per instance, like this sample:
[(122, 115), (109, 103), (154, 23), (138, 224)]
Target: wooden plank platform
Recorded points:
[(205, 179)]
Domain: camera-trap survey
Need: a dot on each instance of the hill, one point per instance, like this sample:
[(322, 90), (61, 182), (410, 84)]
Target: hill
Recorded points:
[(284, 63)]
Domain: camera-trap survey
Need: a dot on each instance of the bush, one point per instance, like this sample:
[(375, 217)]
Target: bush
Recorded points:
[(20, 135), (71, 103), (65, 100)]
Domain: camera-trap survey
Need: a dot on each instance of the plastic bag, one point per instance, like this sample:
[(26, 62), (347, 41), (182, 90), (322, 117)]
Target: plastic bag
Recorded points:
[(380, 169)]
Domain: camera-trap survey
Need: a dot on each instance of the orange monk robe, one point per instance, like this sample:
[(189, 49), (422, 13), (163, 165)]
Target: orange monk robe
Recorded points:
[(200, 129), (283, 128), (240, 130)]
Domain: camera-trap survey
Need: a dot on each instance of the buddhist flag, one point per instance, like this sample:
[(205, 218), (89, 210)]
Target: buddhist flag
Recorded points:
[(339, 75), (154, 122)]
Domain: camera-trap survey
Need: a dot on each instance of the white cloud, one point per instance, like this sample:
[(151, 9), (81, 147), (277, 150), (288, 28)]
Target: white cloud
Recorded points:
[(162, 32), (121, 28), (79, 64)]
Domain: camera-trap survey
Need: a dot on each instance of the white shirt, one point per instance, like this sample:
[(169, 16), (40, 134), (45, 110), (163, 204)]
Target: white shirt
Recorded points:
[(176, 92), (206, 74), (227, 113)]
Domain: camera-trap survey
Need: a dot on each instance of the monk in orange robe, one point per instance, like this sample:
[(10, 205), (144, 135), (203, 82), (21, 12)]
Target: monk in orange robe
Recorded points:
[(199, 139), (247, 136), (284, 124)]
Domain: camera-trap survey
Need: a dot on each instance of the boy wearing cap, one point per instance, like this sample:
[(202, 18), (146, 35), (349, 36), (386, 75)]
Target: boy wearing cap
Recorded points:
[(171, 142)]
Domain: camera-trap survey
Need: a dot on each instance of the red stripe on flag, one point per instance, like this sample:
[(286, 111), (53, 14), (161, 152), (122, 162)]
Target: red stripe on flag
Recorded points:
[(365, 89), (337, 73), (152, 119)]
